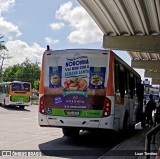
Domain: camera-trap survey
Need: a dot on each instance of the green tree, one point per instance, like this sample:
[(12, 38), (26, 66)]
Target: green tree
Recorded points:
[(3, 55), (27, 71), (36, 84)]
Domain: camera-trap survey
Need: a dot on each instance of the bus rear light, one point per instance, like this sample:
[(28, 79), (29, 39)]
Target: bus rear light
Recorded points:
[(107, 107), (107, 104), (42, 105)]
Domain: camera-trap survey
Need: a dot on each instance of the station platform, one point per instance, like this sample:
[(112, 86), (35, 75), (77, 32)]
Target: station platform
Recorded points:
[(134, 147)]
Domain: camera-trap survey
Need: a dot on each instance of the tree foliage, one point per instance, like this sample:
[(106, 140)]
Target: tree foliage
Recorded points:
[(36, 84), (3, 54), (2, 46), (27, 71)]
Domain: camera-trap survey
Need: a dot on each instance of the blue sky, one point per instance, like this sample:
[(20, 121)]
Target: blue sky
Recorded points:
[(29, 25)]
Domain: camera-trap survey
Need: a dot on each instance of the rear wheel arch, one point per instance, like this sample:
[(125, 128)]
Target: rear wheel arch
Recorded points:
[(124, 119)]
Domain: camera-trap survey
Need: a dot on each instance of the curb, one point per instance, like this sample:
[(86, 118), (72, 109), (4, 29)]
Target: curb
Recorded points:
[(116, 147)]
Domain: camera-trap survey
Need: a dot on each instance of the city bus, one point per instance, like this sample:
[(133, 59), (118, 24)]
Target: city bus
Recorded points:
[(155, 97), (16, 93), (87, 89)]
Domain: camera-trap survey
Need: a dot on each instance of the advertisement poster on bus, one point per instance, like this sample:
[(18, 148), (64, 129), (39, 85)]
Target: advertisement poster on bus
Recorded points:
[(81, 81)]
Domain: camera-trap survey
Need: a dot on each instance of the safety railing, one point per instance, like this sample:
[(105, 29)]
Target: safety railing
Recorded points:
[(148, 138)]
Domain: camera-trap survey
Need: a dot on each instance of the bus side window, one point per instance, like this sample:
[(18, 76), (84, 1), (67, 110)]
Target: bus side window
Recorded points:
[(126, 83), (131, 85), (122, 81), (119, 80), (138, 88), (116, 76), (26, 87)]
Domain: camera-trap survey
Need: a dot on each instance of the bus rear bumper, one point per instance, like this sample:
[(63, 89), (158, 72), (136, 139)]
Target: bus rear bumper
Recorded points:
[(59, 121), (19, 103), (42, 120)]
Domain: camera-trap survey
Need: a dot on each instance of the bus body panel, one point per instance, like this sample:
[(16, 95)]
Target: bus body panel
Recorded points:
[(78, 109), (73, 122), (67, 99), (59, 121), (42, 119)]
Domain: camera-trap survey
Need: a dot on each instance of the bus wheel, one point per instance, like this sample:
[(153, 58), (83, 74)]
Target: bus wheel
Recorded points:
[(125, 122), (4, 103), (21, 107), (70, 132)]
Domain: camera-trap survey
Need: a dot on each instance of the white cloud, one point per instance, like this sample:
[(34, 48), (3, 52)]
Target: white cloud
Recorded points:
[(49, 40), (8, 27), (5, 5), (84, 28), (10, 38), (20, 50), (56, 26), (17, 49)]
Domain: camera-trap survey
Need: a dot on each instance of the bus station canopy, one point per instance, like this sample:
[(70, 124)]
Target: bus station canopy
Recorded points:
[(133, 26)]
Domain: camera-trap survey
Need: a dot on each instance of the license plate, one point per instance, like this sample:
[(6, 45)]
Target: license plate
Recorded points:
[(72, 112)]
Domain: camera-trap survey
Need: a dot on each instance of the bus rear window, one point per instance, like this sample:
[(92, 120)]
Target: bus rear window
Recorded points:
[(20, 87)]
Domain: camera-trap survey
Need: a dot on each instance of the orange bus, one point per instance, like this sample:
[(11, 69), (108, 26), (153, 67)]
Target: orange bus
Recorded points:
[(85, 89), (16, 93)]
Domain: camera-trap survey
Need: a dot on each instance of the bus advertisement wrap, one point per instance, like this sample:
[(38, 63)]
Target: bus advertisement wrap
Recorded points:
[(77, 80), (86, 89)]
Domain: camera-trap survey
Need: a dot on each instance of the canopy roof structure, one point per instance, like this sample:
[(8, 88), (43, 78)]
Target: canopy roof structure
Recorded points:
[(131, 25)]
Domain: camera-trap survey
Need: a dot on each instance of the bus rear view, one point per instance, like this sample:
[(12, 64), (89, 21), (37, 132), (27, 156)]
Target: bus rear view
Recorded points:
[(82, 89), (15, 93), (73, 89)]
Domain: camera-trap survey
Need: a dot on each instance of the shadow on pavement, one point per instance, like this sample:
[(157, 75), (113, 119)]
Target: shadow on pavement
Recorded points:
[(15, 108), (86, 144)]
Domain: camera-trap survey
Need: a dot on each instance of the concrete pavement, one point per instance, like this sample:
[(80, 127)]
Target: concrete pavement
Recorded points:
[(134, 147)]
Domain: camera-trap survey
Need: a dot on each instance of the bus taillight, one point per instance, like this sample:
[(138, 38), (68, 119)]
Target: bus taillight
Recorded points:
[(41, 105), (107, 107)]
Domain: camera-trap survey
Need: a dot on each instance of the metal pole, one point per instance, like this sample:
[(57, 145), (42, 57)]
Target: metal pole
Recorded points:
[(147, 145), (148, 139), (154, 136)]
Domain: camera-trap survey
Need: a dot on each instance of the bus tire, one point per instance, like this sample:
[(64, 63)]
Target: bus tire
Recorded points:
[(70, 132), (125, 121), (4, 103)]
